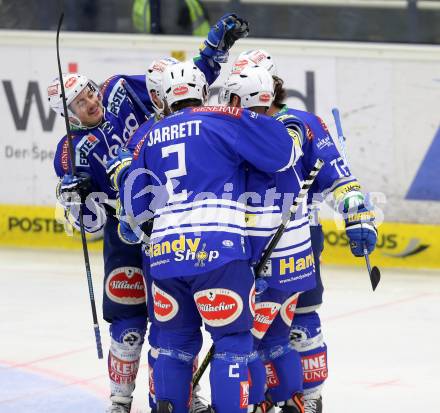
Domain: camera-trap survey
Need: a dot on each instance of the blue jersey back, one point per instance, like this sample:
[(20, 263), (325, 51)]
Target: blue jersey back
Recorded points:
[(196, 157), (318, 143)]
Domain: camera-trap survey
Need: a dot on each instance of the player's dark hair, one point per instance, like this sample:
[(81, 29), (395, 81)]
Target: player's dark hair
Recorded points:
[(186, 103), (279, 91)]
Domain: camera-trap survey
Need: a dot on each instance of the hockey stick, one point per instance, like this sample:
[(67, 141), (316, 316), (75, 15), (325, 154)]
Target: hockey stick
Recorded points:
[(374, 272), (81, 219), (272, 244)]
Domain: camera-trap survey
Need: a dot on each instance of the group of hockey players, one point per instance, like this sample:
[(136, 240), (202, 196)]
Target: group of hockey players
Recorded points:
[(189, 196)]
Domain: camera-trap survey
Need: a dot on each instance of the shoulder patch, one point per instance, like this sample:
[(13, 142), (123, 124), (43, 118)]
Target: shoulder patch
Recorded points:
[(221, 110)]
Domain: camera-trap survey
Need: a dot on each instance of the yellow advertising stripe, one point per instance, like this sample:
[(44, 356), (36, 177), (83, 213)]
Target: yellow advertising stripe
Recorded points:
[(399, 245), (28, 226)]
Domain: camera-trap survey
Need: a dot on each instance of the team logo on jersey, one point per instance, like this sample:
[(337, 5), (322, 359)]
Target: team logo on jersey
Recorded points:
[(180, 90), (272, 379), (131, 337), (265, 313), (325, 142), (85, 145), (125, 285), (218, 306), (287, 311), (265, 97), (165, 306), (70, 82), (52, 90)]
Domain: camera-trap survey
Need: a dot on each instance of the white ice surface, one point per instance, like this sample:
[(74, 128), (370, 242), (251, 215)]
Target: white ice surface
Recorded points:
[(383, 346)]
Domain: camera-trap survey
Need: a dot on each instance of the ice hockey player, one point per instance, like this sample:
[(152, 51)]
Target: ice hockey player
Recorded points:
[(199, 253), (290, 269), (102, 123), (222, 36), (334, 179)]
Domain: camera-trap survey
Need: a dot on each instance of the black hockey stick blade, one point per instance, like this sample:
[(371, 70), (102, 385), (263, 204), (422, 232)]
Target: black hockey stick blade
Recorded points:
[(374, 277)]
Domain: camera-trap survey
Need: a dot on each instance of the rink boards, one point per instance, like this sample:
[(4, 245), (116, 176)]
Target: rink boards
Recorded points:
[(399, 245)]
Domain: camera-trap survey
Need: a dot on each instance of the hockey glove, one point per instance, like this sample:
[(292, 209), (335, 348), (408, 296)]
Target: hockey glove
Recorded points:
[(74, 188), (359, 223), (117, 168), (125, 231), (222, 37)]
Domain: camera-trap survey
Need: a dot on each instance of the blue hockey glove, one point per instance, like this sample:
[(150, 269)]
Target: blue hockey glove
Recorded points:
[(125, 231), (222, 37), (74, 188), (117, 167), (359, 223)]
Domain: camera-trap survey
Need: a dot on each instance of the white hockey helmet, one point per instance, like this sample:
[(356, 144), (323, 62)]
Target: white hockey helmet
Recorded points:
[(257, 57), (153, 79), (184, 81), (254, 86), (74, 84)]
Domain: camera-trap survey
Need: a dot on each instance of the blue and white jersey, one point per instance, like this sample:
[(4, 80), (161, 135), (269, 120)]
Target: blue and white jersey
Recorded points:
[(117, 88), (335, 176), (291, 264), (189, 175), (93, 148)]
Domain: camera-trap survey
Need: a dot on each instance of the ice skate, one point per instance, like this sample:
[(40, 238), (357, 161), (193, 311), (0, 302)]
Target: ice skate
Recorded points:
[(120, 404), (313, 405), (198, 403)]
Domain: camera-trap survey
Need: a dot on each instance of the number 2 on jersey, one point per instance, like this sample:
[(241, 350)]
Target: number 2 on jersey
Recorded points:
[(179, 149)]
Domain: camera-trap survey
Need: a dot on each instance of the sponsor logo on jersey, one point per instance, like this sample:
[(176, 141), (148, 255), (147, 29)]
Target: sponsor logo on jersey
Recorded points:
[(65, 155), (323, 124), (227, 243), (244, 394), (218, 306), (292, 265), (165, 306), (52, 90), (180, 90), (265, 313), (223, 110), (122, 371), (272, 379), (265, 97), (116, 97), (325, 142), (85, 145), (309, 133), (185, 249), (138, 147), (70, 82), (125, 285), (315, 367), (287, 311), (252, 300)]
